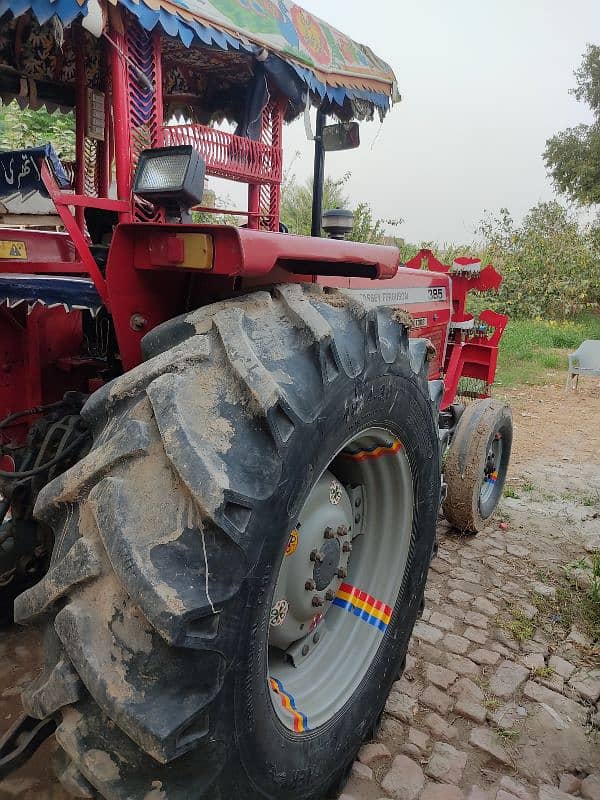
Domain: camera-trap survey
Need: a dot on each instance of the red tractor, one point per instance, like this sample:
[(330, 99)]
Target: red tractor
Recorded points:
[(221, 446)]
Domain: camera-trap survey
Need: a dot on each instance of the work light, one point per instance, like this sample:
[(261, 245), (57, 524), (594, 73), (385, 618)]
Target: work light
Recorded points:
[(172, 177)]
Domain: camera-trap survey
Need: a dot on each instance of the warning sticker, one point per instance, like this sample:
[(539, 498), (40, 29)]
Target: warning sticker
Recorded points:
[(13, 250)]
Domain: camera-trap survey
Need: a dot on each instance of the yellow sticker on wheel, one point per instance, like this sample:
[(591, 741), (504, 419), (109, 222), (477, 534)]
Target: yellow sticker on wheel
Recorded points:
[(292, 544), (10, 249)]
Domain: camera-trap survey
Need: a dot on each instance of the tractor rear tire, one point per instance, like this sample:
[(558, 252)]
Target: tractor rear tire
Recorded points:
[(171, 532), (476, 464), (18, 542)]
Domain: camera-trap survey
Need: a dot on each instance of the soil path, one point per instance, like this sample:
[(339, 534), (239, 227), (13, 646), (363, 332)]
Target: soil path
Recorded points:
[(501, 690)]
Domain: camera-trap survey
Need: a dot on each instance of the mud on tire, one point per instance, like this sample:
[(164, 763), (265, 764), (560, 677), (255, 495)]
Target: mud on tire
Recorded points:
[(170, 532), (476, 464)]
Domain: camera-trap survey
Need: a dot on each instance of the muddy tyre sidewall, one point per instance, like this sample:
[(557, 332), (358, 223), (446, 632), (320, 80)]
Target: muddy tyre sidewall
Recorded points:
[(270, 753), (464, 464)]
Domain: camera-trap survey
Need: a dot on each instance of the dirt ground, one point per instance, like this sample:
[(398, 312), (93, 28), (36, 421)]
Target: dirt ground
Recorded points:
[(478, 713)]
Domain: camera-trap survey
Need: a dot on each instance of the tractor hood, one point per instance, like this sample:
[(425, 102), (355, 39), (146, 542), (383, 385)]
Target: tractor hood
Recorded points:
[(331, 66)]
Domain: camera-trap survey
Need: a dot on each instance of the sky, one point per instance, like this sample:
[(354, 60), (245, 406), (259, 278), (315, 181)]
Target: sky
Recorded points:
[(484, 83)]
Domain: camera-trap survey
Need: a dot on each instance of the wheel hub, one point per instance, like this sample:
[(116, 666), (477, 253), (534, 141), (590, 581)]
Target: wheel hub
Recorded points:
[(315, 563), (339, 579), (325, 571), (492, 465)]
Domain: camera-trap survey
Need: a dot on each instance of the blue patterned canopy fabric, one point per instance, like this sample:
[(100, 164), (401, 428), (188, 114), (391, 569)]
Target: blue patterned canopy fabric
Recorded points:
[(327, 62)]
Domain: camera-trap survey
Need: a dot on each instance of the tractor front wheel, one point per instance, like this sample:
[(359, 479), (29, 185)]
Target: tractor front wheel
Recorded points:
[(476, 464), (241, 557)]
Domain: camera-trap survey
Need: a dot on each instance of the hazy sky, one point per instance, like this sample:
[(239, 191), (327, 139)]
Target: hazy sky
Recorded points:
[(484, 83)]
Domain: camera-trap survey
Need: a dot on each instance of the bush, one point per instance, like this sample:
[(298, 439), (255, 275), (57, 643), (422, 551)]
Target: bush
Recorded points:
[(550, 263), (20, 128), (530, 348)]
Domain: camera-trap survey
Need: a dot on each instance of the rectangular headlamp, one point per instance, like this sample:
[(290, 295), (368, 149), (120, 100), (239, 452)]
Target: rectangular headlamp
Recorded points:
[(170, 176)]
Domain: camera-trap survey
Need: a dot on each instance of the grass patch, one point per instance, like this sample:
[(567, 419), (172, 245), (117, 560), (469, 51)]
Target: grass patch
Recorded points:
[(492, 703), (572, 605), (569, 497), (528, 487), (519, 626), (542, 672), (508, 491), (508, 734), (591, 500), (594, 590), (531, 347)]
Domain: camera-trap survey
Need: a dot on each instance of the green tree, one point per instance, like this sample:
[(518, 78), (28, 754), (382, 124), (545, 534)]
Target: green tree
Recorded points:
[(366, 228), (21, 128), (573, 156), (296, 201), (296, 209), (550, 263)]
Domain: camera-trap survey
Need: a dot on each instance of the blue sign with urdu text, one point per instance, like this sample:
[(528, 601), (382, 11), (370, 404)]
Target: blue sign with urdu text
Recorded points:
[(20, 170)]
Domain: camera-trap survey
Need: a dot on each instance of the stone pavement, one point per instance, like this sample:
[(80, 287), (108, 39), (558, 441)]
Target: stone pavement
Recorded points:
[(478, 713)]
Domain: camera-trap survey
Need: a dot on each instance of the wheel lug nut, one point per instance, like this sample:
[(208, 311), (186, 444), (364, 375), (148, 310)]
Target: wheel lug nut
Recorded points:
[(310, 586), (329, 594), (357, 518), (317, 601), (316, 637), (316, 556), (329, 534), (347, 547), (357, 502), (341, 573), (305, 650), (342, 530)]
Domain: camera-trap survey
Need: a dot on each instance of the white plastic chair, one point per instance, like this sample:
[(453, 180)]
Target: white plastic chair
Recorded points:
[(584, 361)]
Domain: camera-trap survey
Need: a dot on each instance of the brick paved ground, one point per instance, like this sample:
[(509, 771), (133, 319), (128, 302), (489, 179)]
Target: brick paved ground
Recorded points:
[(478, 714)]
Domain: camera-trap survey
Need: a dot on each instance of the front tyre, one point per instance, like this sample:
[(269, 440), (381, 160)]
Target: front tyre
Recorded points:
[(476, 464), (241, 557)]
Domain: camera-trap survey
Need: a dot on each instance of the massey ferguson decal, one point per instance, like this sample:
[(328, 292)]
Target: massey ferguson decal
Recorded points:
[(399, 296)]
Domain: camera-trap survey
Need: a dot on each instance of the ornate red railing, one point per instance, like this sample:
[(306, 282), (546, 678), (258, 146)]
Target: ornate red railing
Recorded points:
[(227, 155)]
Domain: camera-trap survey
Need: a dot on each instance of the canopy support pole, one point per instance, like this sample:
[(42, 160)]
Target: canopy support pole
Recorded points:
[(121, 120), (80, 123), (318, 175)]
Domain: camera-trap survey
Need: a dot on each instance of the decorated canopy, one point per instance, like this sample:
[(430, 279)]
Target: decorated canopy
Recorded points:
[(329, 63)]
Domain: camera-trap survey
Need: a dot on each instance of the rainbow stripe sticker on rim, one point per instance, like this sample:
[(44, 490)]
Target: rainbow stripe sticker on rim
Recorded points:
[(288, 702), (492, 478), (376, 452), (364, 606)]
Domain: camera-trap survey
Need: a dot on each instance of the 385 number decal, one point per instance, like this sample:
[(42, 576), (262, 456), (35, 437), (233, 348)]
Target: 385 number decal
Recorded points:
[(436, 292)]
